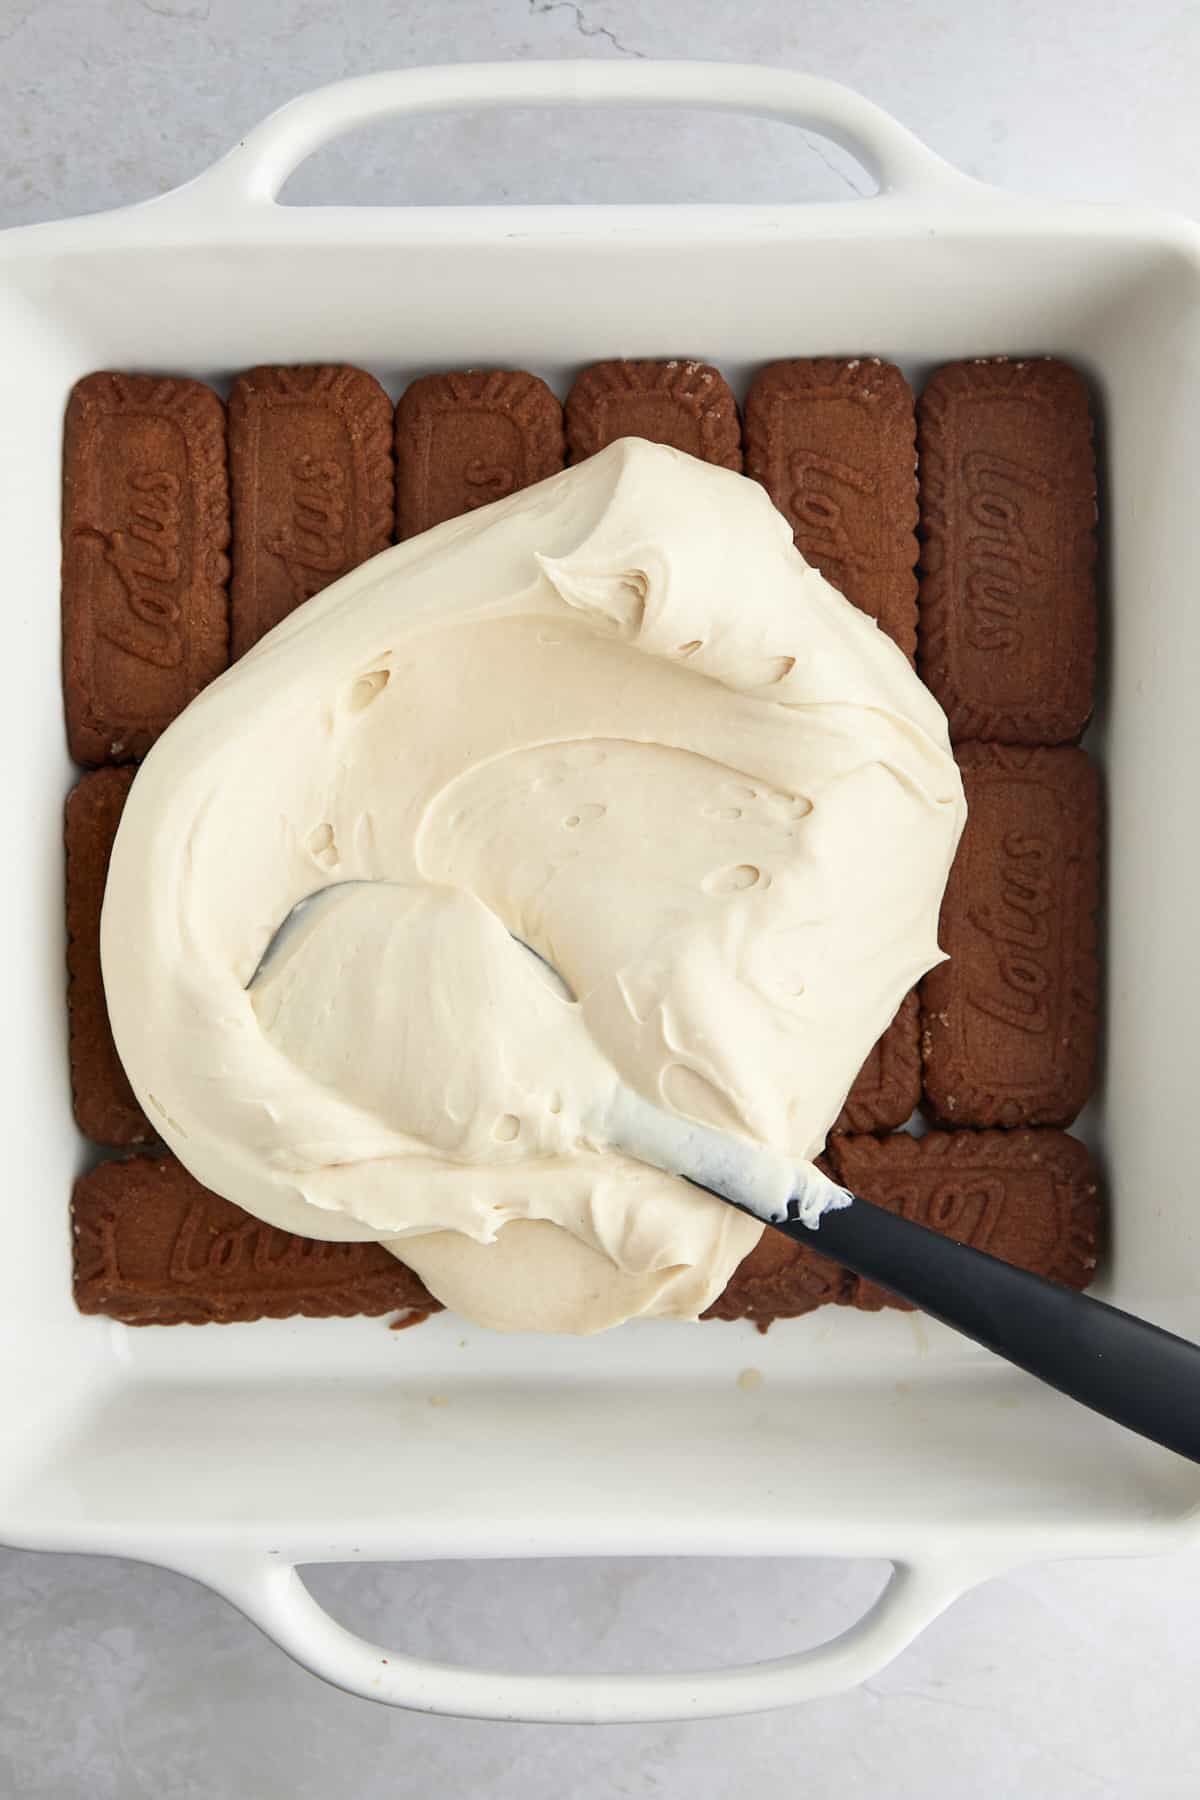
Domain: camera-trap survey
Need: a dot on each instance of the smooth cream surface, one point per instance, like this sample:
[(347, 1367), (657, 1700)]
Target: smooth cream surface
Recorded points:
[(616, 717)]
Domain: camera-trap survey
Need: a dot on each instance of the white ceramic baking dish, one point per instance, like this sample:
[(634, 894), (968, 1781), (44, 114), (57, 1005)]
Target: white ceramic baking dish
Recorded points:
[(236, 1454)]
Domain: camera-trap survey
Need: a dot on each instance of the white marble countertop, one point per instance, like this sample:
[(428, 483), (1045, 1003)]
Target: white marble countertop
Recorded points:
[(1072, 1681)]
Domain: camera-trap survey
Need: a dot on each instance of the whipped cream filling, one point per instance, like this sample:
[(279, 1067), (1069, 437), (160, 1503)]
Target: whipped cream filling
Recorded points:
[(615, 718)]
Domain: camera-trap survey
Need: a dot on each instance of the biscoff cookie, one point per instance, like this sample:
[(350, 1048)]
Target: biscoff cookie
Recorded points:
[(688, 405), (782, 1279), (154, 1247), (310, 453), (105, 1107), (887, 1089), (145, 611), (467, 438), (1030, 1198), (1010, 1024), (1008, 548), (833, 441)]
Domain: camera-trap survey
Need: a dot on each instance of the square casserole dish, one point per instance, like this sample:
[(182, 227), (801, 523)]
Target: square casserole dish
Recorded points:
[(237, 1454)]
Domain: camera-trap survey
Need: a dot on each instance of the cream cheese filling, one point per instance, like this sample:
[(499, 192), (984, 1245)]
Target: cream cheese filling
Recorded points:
[(618, 719)]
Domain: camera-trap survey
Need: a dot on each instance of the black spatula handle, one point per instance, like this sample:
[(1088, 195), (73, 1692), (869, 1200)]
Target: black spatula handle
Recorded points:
[(1144, 1378)]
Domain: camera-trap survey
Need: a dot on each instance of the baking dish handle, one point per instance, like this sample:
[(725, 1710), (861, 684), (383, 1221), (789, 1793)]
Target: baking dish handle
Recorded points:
[(272, 1594), (253, 173)]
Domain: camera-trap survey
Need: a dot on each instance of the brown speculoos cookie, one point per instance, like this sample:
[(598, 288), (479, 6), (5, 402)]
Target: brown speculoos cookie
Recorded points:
[(688, 405), (310, 453), (782, 1279), (154, 1247), (887, 1089), (1008, 548), (833, 441), (1029, 1197), (1010, 1023), (145, 612), (467, 438), (105, 1108)]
